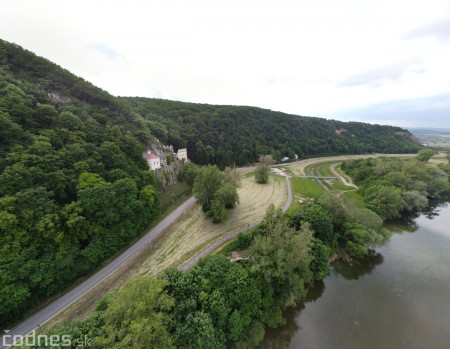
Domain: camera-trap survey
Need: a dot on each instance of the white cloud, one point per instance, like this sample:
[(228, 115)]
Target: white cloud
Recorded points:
[(293, 56), (439, 30), (108, 52), (379, 76)]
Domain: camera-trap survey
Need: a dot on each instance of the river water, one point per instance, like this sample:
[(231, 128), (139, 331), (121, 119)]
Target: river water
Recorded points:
[(398, 297)]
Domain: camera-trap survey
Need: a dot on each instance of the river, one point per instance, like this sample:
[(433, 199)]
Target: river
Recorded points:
[(398, 297)]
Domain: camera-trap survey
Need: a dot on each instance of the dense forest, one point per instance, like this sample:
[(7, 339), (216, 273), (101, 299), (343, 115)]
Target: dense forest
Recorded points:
[(235, 135), (74, 187), (73, 184)]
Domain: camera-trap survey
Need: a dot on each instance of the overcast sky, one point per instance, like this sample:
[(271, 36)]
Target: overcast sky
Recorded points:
[(380, 61)]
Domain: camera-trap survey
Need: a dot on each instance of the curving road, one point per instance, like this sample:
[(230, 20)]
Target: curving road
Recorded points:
[(208, 249), (51, 310)]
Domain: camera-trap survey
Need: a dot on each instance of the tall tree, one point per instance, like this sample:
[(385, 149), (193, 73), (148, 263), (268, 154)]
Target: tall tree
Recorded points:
[(426, 154), (137, 316), (208, 181), (232, 176), (263, 169), (280, 260), (214, 194), (320, 222)]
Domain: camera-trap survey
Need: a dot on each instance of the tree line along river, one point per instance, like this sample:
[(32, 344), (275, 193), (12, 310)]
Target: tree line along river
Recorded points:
[(397, 297)]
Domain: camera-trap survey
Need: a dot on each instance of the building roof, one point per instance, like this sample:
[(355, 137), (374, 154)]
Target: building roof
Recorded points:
[(151, 156)]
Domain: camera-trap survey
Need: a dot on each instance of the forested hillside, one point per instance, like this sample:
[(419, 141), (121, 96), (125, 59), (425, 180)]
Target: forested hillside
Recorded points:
[(73, 184), (227, 135)]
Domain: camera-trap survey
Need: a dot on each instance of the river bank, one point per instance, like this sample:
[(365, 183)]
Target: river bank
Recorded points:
[(397, 297)]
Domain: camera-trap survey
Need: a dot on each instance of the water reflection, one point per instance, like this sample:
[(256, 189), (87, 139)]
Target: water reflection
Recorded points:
[(435, 206), (408, 222), (360, 268), (281, 337), (315, 292)]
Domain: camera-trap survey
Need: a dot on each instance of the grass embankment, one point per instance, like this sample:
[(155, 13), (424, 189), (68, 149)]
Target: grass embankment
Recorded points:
[(174, 195), (298, 167), (304, 190), (324, 169), (321, 169)]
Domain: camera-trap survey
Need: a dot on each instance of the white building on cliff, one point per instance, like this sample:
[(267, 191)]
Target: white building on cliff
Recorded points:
[(182, 154), (154, 162)]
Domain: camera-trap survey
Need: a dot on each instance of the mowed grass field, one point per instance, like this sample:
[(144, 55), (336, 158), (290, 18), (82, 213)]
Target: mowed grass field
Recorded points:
[(306, 187), (321, 169), (303, 190), (194, 231)]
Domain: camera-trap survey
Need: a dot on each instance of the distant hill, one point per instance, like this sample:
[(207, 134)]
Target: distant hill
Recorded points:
[(228, 135), (429, 131), (438, 138)]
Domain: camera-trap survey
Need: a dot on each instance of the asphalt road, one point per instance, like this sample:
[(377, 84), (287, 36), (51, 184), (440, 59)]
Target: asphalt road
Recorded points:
[(51, 310), (208, 249)]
